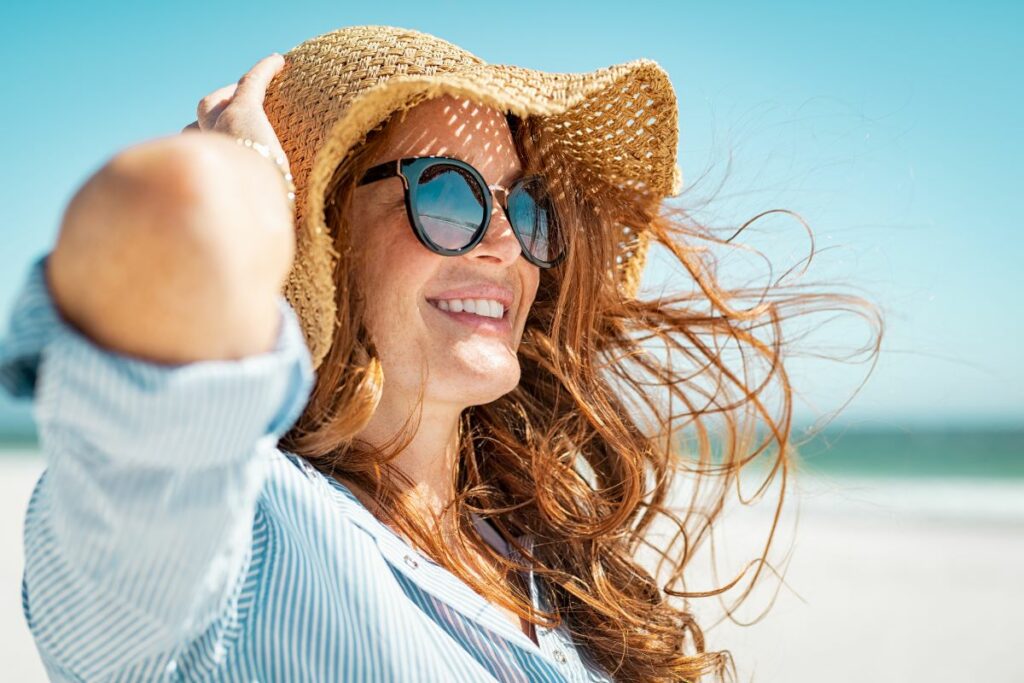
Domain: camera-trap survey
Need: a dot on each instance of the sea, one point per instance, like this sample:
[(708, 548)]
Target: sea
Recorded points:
[(956, 473)]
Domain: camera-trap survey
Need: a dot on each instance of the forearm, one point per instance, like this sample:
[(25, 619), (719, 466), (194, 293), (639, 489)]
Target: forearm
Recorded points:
[(137, 534), (175, 251)]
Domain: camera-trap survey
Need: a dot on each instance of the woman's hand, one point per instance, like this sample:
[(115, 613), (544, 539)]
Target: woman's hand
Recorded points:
[(237, 109), (188, 233)]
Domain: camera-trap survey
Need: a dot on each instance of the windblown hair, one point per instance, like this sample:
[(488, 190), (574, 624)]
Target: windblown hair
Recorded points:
[(584, 453)]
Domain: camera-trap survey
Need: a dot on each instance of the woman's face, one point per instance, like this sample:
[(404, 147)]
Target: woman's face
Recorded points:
[(469, 359)]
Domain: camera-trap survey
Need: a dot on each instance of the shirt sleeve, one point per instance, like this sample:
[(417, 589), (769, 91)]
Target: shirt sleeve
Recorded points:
[(139, 530)]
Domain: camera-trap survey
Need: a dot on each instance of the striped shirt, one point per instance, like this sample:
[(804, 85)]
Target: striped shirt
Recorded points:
[(169, 538)]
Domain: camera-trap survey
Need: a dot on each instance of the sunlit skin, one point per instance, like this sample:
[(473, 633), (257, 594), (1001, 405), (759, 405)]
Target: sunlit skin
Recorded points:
[(466, 364)]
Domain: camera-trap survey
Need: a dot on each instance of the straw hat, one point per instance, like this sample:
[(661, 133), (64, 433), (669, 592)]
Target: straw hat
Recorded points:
[(619, 122)]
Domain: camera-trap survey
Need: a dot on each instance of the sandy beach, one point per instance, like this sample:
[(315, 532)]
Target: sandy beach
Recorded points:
[(888, 582)]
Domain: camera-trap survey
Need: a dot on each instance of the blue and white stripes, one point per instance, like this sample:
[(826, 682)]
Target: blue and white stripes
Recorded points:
[(170, 539)]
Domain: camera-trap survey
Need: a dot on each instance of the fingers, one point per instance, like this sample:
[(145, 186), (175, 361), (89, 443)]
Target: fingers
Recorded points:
[(213, 104), (238, 108), (252, 86)]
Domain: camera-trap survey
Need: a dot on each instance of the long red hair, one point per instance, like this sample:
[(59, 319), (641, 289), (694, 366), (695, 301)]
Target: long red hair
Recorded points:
[(619, 398)]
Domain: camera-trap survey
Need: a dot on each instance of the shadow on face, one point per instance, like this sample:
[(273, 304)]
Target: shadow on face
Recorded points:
[(456, 356)]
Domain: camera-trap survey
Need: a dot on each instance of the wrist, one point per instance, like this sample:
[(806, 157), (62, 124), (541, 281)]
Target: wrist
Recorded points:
[(279, 162)]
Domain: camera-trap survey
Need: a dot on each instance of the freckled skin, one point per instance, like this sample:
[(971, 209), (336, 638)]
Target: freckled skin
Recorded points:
[(465, 367)]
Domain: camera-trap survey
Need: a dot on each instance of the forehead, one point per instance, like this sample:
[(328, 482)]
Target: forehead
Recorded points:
[(455, 127)]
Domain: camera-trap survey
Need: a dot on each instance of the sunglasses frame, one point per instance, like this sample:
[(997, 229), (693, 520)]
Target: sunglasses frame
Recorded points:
[(409, 169)]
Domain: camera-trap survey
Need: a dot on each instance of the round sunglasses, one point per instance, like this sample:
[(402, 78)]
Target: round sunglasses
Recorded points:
[(449, 206)]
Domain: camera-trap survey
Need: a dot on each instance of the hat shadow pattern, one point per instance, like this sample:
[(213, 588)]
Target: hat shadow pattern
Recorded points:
[(617, 124)]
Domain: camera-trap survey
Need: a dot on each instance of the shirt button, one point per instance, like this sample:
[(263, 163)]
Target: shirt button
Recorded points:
[(171, 670), (559, 656), (411, 561)]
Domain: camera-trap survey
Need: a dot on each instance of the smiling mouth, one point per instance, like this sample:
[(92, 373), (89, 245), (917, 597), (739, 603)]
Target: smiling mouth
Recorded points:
[(484, 314)]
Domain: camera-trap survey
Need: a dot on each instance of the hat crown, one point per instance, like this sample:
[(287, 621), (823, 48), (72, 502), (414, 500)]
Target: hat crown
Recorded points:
[(349, 60)]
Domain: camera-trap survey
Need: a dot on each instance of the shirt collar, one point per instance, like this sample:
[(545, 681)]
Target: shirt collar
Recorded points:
[(424, 571), (365, 519)]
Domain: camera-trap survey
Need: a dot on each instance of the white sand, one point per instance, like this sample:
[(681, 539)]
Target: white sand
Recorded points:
[(888, 582), (18, 474)]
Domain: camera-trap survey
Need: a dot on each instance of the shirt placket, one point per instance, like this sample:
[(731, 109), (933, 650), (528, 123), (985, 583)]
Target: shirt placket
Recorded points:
[(434, 579), (555, 643), (439, 582)]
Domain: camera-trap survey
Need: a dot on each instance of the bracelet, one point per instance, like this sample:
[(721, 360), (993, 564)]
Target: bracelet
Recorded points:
[(279, 162)]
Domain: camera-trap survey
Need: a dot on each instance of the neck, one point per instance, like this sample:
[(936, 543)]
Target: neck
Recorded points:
[(430, 457)]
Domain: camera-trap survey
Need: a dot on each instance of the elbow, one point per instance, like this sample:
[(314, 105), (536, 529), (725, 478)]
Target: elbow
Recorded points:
[(151, 197), (203, 197), (168, 189), (156, 230)]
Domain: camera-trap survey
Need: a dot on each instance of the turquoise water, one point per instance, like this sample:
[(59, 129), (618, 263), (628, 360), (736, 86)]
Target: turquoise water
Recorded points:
[(918, 453), (921, 454), (959, 453)]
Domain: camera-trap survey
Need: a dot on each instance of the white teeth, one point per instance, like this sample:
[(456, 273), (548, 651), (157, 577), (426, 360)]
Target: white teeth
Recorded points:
[(489, 308)]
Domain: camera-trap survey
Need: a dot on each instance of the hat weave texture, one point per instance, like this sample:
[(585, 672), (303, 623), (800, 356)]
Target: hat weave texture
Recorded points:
[(619, 123)]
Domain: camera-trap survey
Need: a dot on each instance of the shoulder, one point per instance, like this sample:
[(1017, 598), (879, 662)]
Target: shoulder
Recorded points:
[(305, 503)]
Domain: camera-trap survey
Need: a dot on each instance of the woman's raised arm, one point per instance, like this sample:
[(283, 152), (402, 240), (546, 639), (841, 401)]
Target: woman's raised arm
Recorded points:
[(175, 250), (164, 364)]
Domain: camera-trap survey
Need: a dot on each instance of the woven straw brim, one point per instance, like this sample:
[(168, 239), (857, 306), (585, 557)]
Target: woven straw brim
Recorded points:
[(620, 123)]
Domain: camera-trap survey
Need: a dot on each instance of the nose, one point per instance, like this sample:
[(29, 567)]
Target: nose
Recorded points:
[(499, 243)]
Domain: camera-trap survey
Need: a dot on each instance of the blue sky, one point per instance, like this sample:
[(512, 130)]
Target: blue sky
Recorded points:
[(892, 128)]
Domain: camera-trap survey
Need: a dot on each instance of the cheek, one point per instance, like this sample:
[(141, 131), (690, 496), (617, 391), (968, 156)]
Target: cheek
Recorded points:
[(529, 276), (396, 267)]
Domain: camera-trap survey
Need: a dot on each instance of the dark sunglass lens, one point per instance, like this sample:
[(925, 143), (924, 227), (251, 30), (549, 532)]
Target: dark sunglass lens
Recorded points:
[(532, 215), (449, 206)]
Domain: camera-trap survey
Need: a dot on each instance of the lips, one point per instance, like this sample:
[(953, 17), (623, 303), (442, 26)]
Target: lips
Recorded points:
[(485, 323), (487, 308), (480, 290)]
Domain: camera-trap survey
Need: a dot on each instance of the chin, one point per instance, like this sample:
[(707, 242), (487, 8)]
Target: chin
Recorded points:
[(477, 388)]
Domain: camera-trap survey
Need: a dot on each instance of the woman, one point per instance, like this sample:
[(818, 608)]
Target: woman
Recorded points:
[(461, 489)]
